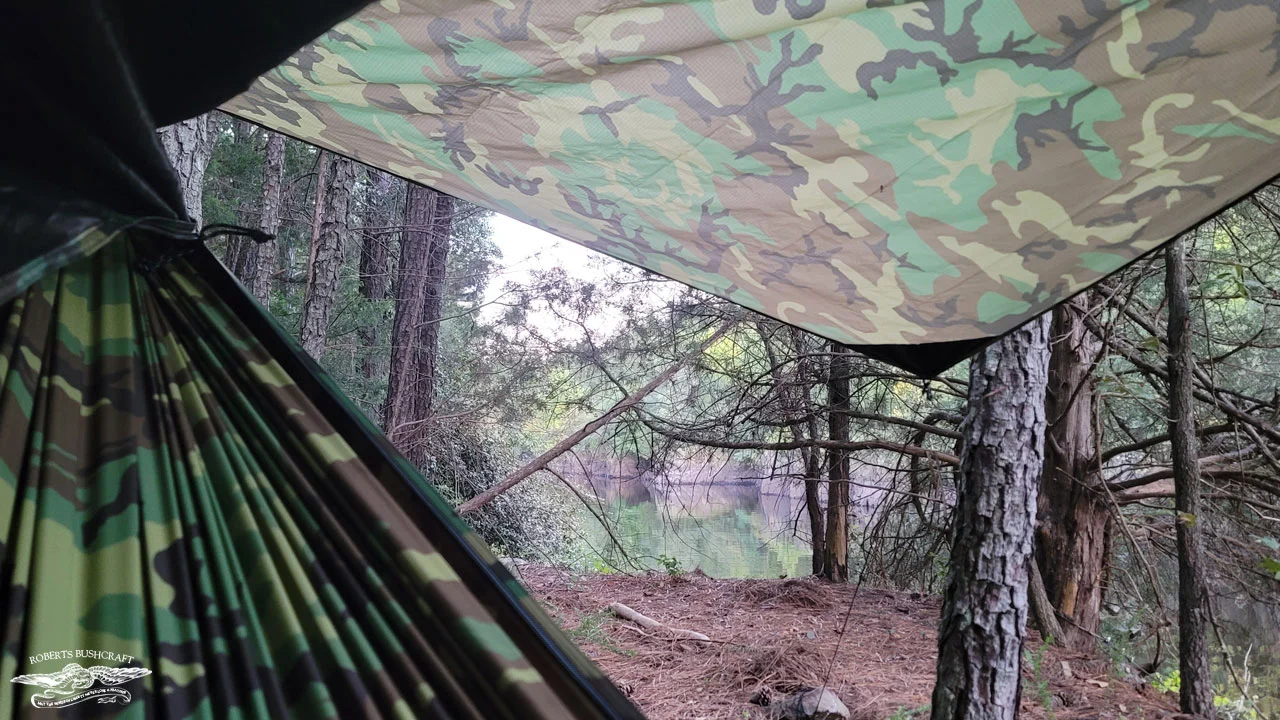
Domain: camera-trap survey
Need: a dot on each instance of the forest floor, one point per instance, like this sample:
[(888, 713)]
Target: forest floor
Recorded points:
[(773, 636)]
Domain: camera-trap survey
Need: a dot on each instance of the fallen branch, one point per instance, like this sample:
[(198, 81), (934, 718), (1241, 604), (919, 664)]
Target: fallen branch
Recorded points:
[(645, 621), (568, 443), (819, 443), (1042, 609)]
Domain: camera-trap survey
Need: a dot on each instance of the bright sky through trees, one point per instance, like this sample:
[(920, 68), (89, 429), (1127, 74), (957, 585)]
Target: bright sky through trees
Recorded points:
[(528, 253)]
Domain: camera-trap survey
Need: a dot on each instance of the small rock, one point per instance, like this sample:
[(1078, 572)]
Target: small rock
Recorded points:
[(811, 704)]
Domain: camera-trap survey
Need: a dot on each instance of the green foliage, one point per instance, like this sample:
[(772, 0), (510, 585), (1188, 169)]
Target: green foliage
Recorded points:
[(1167, 681), (533, 520), (910, 713), (670, 564), (597, 565), (233, 177), (1039, 682), (591, 629), (1234, 708)]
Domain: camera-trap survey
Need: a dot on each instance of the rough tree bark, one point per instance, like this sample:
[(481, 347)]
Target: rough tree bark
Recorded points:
[(433, 310), (323, 159), (984, 611), (410, 289), (813, 504), (1196, 690), (1074, 536), (323, 287), (373, 263), (189, 145), (1042, 610), (424, 252), (836, 566), (264, 270)]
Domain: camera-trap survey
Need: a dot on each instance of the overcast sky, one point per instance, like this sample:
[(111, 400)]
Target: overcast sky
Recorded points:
[(526, 250)]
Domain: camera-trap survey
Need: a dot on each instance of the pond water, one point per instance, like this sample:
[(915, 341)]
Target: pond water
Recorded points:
[(723, 524), (1251, 633), (729, 539)]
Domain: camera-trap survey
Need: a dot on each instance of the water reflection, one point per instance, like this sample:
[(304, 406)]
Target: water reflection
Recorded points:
[(714, 517), (1251, 635)]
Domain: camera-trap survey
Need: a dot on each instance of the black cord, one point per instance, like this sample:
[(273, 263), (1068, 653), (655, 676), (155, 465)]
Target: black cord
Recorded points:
[(180, 244), (217, 230)]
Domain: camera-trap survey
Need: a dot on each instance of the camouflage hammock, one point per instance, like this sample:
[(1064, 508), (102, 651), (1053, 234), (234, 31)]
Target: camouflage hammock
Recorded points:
[(186, 493), (885, 174), (173, 498)]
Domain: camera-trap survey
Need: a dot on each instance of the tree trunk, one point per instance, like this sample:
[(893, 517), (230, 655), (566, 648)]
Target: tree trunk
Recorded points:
[(189, 145), (1074, 538), (1196, 691), (1041, 606), (264, 267), (813, 505), (433, 311), (317, 213), (373, 265), (410, 288), (836, 566), (812, 456), (424, 253), (242, 253), (984, 611), (323, 287), (796, 402)]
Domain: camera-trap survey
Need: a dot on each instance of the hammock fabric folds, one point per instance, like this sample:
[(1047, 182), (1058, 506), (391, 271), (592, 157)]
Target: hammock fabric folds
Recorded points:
[(172, 496)]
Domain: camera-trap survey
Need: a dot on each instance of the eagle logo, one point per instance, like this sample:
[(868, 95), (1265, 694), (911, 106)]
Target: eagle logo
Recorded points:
[(75, 684)]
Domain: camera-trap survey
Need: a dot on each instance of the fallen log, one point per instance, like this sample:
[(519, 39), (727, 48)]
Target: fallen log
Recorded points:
[(645, 621)]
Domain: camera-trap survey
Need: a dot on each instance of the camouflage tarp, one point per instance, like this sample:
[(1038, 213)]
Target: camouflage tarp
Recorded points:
[(876, 172), (183, 523)]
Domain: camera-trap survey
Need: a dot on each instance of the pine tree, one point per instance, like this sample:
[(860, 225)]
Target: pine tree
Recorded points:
[(1196, 687), (264, 266), (189, 145), (374, 255), (984, 611), (328, 255), (836, 567), (1074, 539), (424, 252)]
